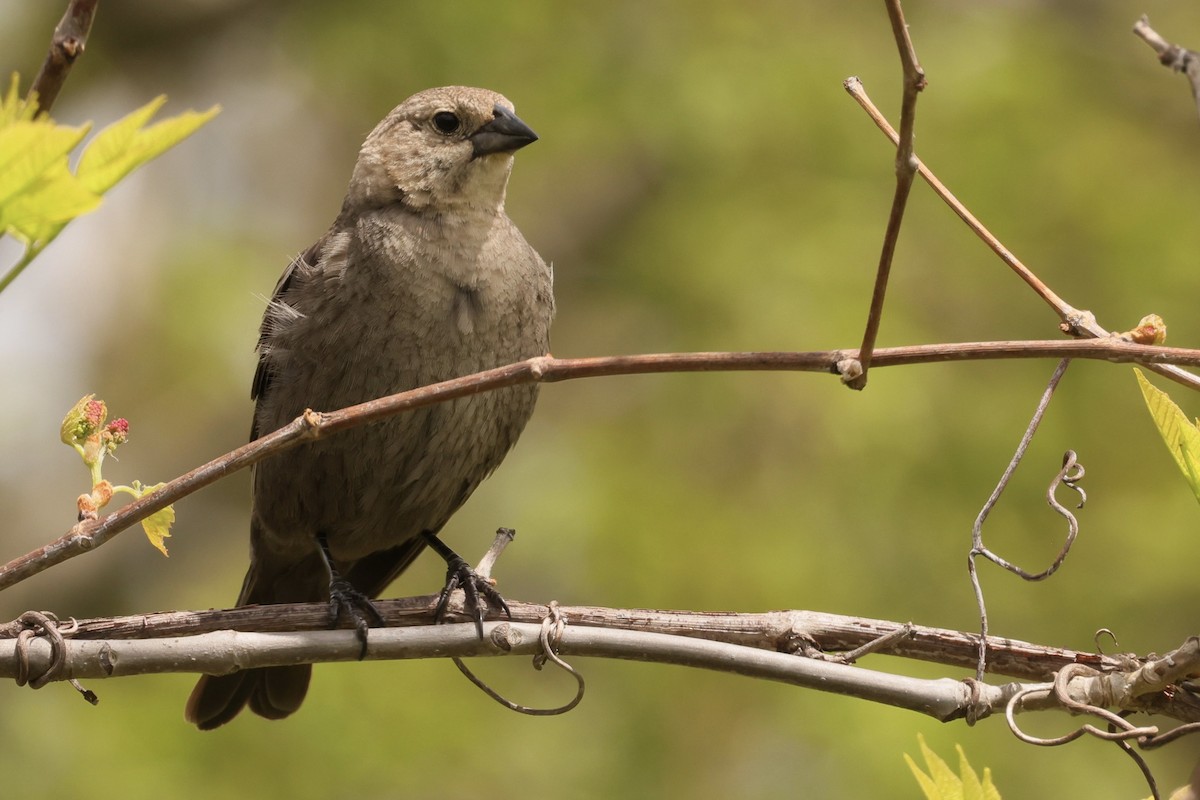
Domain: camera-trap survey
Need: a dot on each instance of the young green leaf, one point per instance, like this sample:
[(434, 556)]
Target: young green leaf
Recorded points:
[(928, 787), (39, 194), (13, 107), (40, 211), (29, 149), (1178, 432), (78, 423), (973, 787), (125, 145), (942, 784), (158, 525)]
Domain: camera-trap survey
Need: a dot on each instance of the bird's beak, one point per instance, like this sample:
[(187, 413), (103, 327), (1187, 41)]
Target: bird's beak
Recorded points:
[(506, 133)]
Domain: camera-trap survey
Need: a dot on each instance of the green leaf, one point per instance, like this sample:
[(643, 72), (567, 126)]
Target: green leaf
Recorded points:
[(973, 787), (43, 208), (158, 525), (29, 149), (75, 425), (1178, 432), (125, 145), (12, 107), (39, 194), (940, 783), (928, 787)]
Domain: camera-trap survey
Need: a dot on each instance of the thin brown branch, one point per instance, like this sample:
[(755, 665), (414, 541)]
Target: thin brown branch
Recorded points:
[(1066, 312), (914, 82), (1172, 56), (66, 45), (90, 534), (1075, 322)]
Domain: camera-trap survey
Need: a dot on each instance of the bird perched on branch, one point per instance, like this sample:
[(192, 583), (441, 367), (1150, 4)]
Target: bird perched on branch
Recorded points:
[(421, 278)]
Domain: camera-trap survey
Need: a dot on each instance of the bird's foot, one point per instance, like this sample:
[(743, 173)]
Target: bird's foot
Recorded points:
[(346, 602), (479, 592)]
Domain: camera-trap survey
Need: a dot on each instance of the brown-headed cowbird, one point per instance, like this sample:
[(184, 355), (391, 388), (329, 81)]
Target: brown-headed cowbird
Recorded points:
[(421, 278)]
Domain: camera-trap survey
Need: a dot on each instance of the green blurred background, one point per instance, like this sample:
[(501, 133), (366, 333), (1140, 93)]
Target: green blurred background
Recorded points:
[(703, 182)]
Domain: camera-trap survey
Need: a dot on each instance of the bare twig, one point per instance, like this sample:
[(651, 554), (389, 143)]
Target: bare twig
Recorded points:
[(1179, 59), (67, 44), (1075, 322), (90, 534), (883, 644), (914, 81), (1066, 312), (504, 537)]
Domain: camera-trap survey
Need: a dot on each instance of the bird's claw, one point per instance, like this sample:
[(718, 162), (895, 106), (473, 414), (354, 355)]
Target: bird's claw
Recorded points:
[(460, 575), (347, 602)]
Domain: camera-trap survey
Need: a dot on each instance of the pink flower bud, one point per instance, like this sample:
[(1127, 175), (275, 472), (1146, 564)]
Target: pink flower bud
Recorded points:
[(118, 430), (94, 413)]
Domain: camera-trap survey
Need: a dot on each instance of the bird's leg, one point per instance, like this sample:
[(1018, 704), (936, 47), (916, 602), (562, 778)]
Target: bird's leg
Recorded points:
[(459, 575), (345, 600)]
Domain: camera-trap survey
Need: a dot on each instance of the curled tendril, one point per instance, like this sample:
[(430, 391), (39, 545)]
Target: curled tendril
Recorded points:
[(33, 624), (553, 625), (1101, 634)]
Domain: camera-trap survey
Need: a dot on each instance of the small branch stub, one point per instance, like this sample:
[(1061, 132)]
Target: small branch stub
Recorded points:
[(1172, 56), (67, 44)]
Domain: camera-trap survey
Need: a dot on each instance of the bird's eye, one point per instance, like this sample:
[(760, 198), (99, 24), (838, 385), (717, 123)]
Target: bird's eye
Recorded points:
[(447, 122)]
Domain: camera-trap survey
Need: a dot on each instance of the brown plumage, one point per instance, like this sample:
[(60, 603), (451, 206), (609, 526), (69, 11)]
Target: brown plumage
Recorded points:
[(421, 278)]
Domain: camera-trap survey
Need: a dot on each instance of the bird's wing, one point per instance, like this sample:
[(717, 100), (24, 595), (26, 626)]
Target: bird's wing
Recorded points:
[(264, 374)]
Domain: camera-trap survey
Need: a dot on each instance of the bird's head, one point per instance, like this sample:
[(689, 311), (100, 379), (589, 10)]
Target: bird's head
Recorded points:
[(441, 149)]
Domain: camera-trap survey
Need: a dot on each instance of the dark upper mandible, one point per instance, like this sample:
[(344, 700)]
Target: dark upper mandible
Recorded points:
[(506, 133)]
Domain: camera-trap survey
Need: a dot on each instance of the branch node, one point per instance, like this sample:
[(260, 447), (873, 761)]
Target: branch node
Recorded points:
[(799, 643), (851, 370), (1081, 324), (505, 637), (66, 45), (311, 422), (538, 367), (879, 644)]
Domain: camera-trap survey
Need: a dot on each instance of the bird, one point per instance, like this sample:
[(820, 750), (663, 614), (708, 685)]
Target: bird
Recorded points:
[(421, 278)]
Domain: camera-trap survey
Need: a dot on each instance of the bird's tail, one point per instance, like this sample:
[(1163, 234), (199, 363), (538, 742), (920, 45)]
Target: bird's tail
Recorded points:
[(271, 692)]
